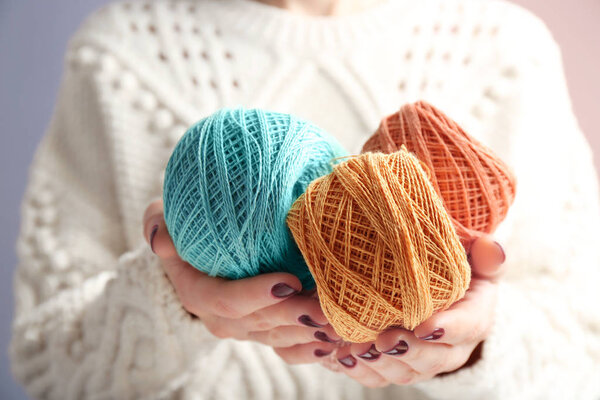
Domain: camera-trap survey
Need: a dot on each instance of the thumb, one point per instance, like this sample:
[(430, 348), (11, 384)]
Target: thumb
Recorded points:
[(486, 257)]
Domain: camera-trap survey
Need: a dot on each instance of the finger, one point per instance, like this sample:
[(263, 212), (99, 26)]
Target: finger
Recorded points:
[(156, 233), (201, 294), (156, 207), (468, 320), (223, 328), (305, 353), (329, 335), (407, 357), (365, 351), (359, 371), (297, 310), (487, 257), (458, 357), (391, 368), (284, 336)]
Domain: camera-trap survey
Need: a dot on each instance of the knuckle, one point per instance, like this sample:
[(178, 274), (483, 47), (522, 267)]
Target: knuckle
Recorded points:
[(436, 367), (458, 362), (486, 330), (405, 379), (285, 356), (479, 331), (259, 321), (217, 329), (256, 337), (415, 352), (274, 336), (225, 308), (263, 325)]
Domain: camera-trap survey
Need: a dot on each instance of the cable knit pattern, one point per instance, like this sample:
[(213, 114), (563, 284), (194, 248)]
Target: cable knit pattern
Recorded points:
[(97, 318)]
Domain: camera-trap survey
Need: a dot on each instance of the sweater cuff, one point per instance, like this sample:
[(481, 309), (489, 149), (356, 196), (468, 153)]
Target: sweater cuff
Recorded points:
[(154, 341)]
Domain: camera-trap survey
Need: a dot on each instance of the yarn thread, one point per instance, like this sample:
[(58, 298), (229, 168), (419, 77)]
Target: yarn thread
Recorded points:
[(229, 184), (380, 245), (477, 187)]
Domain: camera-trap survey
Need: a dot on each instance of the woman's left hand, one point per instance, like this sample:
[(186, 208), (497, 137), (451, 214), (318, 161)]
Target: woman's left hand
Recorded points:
[(447, 341)]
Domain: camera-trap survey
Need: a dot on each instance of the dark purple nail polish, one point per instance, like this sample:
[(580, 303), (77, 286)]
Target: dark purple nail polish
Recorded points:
[(502, 251), (308, 321), (322, 336), (348, 361), (370, 355), (400, 348), (435, 335), (152, 234), (321, 353), (282, 290)]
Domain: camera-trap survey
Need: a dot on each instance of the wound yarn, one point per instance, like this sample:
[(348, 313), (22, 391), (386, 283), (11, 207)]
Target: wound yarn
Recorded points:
[(230, 183), (477, 187), (380, 245)]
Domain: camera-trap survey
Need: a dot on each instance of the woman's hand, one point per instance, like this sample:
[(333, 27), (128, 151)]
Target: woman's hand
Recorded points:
[(447, 341), (268, 308)]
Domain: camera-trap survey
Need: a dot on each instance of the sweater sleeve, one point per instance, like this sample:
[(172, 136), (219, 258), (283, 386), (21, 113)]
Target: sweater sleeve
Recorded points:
[(95, 316), (546, 338)]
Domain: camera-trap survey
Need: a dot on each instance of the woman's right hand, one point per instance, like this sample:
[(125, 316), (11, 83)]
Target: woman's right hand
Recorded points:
[(267, 308)]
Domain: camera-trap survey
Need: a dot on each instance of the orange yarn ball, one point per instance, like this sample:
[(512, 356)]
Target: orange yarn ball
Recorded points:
[(477, 187), (380, 245)]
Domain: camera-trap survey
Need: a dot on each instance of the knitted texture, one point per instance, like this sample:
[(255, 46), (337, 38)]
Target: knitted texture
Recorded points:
[(95, 315), (228, 187), (379, 244), (477, 187)]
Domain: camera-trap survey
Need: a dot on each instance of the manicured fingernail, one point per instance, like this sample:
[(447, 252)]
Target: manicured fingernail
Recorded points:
[(322, 336), (502, 251), (435, 335), (321, 353), (308, 321), (370, 355), (348, 361), (152, 234), (282, 290), (400, 348)]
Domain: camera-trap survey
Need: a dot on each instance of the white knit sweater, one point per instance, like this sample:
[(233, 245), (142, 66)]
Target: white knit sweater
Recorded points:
[(97, 318)]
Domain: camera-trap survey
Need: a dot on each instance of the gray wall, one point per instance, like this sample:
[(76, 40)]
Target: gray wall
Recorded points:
[(33, 35)]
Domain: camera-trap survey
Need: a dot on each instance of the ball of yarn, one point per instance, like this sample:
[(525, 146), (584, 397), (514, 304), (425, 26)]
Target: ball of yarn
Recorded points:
[(230, 183), (477, 187), (380, 245)]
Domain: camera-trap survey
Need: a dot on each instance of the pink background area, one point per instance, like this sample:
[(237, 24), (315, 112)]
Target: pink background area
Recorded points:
[(575, 25)]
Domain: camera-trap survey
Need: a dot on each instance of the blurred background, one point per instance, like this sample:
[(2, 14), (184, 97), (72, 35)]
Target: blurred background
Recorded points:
[(33, 36)]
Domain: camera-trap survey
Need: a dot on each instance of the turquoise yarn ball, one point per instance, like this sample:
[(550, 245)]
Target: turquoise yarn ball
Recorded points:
[(230, 183)]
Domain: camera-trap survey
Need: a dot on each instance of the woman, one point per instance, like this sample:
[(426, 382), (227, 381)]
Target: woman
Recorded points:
[(98, 317)]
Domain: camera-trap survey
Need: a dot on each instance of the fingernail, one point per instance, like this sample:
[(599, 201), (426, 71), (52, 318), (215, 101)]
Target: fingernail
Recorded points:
[(502, 251), (348, 361), (152, 234), (322, 336), (370, 355), (307, 320), (282, 290), (321, 353), (435, 335), (400, 348)]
